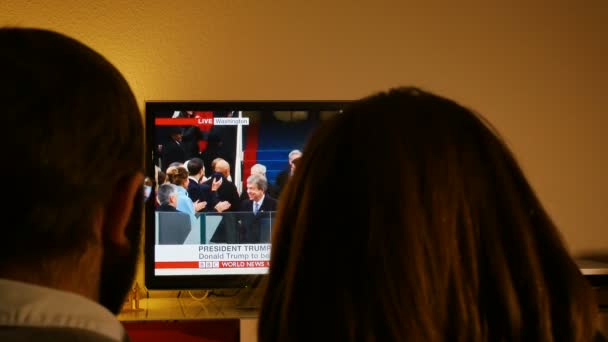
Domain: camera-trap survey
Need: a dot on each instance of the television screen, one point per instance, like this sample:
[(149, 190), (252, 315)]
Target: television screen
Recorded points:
[(212, 227)]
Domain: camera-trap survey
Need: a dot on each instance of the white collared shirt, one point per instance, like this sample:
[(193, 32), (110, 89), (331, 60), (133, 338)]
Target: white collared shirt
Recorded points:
[(28, 305)]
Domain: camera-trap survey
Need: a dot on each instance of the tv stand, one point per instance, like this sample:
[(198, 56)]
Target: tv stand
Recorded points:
[(250, 299), (213, 318)]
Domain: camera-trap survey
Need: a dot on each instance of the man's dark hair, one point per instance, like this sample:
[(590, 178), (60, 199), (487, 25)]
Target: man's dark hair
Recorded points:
[(195, 166), (73, 133)]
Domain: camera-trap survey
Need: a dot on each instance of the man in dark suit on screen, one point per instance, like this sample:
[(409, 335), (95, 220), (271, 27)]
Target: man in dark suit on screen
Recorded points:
[(173, 149), (256, 211), (284, 175), (228, 197)]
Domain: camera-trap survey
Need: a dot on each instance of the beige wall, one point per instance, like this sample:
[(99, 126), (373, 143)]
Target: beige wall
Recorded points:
[(537, 71)]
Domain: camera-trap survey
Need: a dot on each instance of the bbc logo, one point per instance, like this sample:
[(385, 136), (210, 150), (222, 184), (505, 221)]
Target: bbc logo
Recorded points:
[(208, 264)]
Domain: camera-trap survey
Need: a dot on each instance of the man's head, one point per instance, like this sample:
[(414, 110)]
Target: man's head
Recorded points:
[(294, 164), (167, 194), (82, 158), (222, 167), (196, 168), (214, 162), (175, 133), (256, 187), (258, 169), (293, 155)]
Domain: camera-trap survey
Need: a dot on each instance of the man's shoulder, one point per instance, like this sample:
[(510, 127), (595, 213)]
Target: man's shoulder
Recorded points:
[(166, 208), (270, 202), (192, 184), (226, 184), (40, 313)]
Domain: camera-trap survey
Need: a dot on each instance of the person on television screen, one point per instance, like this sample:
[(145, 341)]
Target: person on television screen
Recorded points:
[(191, 135), (294, 164), (285, 175), (68, 259), (455, 247), (173, 150), (167, 197), (197, 189), (228, 196), (227, 191), (179, 177), (258, 204), (259, 169)]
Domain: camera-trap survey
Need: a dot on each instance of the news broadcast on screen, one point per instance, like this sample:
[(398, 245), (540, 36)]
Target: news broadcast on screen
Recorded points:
[(218, 171)]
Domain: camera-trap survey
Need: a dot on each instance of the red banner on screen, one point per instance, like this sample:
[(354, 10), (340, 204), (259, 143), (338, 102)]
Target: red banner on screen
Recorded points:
[(178, 121), (176, 264)]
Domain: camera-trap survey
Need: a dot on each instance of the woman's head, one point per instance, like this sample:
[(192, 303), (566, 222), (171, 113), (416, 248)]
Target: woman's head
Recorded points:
[(178, 176), (409, 218)]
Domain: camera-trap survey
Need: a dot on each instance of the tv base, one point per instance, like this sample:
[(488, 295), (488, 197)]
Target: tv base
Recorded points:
[(250, 299)]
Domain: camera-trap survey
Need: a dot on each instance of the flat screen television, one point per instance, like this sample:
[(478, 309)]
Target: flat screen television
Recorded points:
[(211, 249)]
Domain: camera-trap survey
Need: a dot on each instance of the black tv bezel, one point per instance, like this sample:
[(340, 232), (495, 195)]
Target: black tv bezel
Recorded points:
[(180, 282)]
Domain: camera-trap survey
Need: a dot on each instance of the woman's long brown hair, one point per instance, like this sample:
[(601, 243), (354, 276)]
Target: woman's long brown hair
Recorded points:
[(408, 219)]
